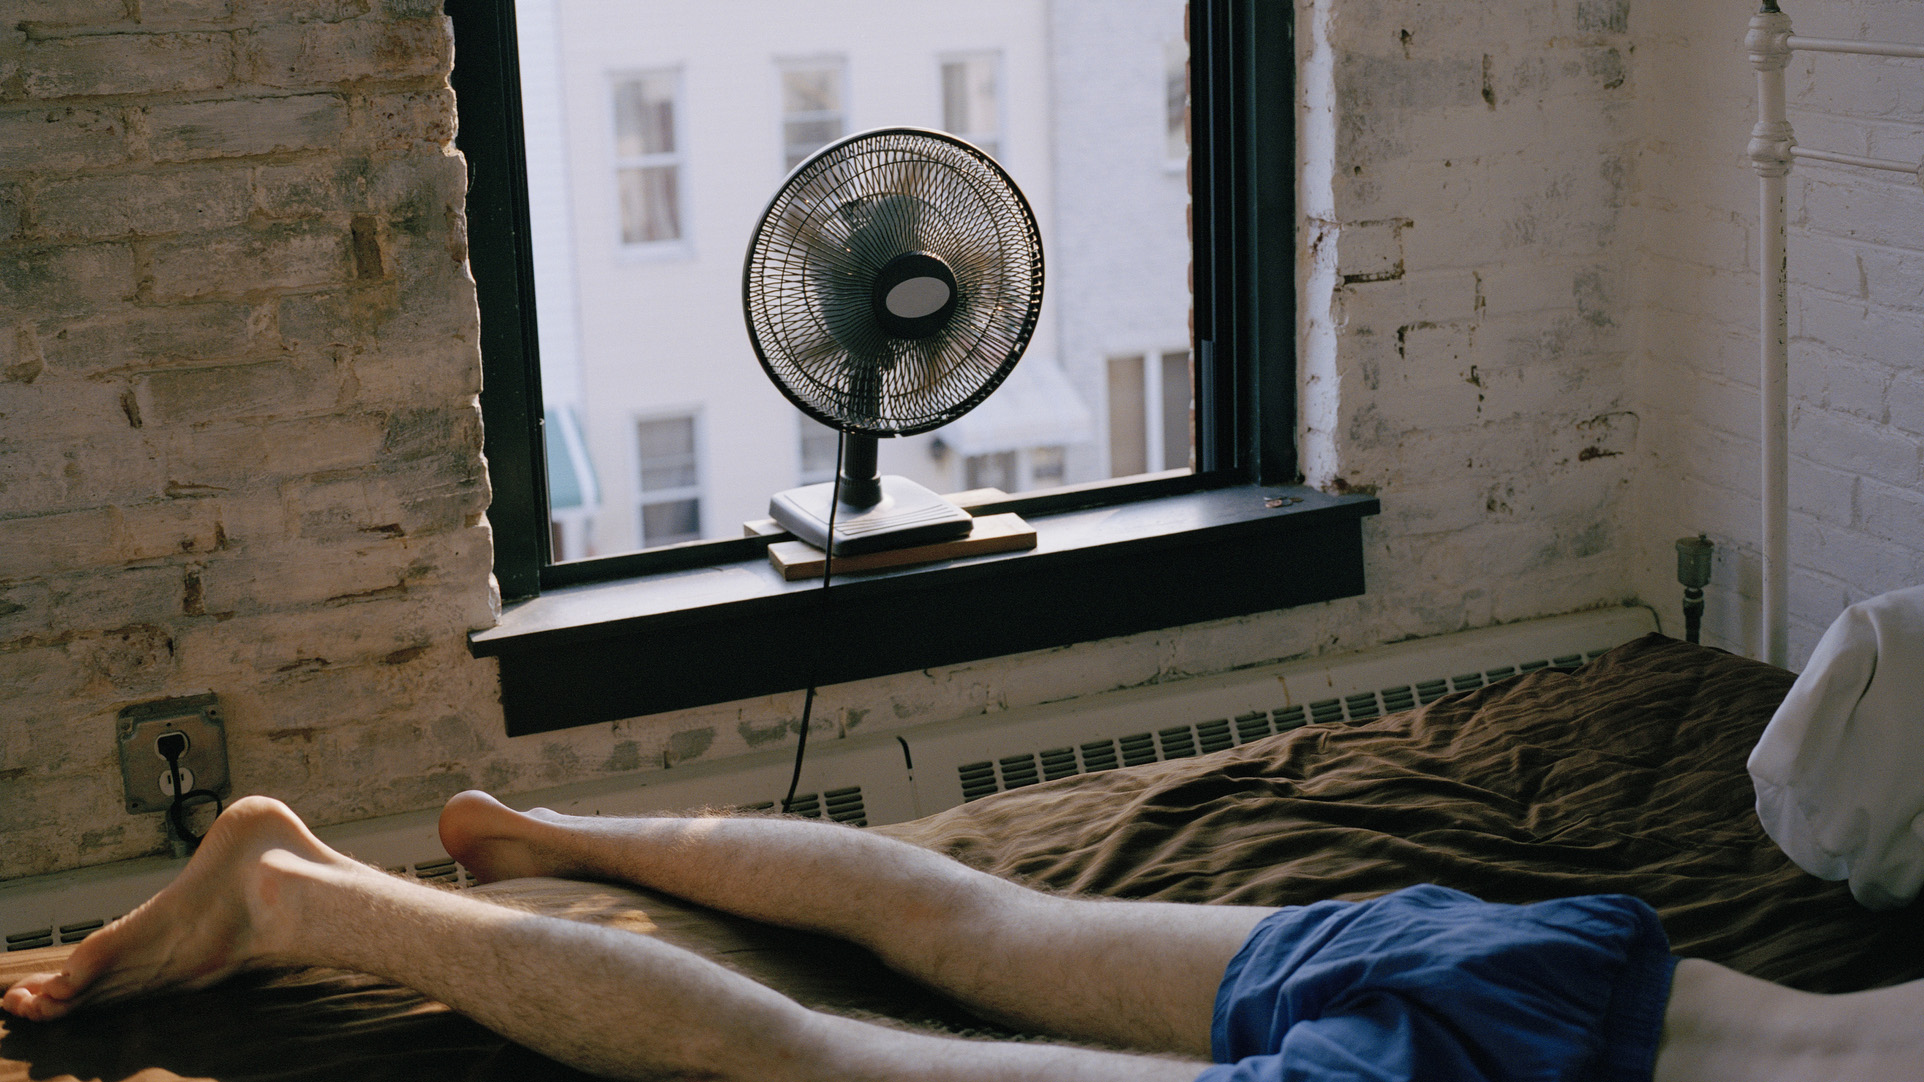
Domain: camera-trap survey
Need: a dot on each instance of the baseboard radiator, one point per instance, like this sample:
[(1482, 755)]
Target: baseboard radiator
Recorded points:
[(901, 775)]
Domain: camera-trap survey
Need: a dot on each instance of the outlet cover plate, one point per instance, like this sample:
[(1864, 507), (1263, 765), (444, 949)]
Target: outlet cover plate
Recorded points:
[(140, 727)]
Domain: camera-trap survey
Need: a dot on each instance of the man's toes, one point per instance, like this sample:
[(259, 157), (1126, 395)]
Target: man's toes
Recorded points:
[(36, 997)]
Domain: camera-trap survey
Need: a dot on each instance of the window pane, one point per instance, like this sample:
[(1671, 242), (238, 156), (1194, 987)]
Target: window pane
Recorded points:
[(1175, 410), (658, 132), (667, 450), (993, 471), (645, 115), (805, 137), (650, 204), (969, 100), (1045, 467), (671, 438), (811, 90), (671, 523), (1128, 436), (811, 110)]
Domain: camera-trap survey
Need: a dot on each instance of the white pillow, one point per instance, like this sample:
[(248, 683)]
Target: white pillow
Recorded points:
[(1840, 769)]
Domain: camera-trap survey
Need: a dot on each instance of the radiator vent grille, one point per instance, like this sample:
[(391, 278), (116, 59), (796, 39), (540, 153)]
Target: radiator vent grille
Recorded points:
[(875, 778), (843, 806), (984, 777)]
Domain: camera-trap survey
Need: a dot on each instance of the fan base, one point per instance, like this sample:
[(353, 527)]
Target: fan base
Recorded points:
[(908, 514)]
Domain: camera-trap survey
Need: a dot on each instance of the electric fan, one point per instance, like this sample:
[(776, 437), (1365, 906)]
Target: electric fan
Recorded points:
[(890, 286)]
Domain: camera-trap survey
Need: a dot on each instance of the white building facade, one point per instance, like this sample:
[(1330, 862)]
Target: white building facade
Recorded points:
[(657, 131)]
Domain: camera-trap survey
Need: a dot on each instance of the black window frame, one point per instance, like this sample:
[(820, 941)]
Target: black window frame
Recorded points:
[(1243, 215)]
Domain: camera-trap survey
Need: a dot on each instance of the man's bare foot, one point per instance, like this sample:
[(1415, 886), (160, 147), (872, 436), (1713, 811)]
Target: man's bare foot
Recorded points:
[(495, 842), (215, 919)]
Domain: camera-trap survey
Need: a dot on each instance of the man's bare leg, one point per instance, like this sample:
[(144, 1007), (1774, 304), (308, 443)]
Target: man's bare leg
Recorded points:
[(1125, 974), (264, 891), (1723, 1026)]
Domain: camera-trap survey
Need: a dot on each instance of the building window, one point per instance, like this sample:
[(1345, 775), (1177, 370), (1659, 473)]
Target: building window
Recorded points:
[(970, 93), (995, 470), (648, 160), (1148, 412), (812, 115), (1014, 471), (670, 480)]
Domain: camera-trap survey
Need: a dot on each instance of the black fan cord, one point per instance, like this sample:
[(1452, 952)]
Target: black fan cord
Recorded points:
[(177, 811), (814, 665)]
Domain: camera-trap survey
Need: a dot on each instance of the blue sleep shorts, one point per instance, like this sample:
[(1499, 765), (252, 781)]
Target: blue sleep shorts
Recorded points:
[(1432, 985)]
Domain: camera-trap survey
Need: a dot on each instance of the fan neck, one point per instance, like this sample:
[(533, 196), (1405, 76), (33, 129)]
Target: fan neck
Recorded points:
[(861, 476)]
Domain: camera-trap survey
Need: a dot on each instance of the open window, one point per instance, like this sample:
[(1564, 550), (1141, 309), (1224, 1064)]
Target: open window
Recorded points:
[(726, 105)]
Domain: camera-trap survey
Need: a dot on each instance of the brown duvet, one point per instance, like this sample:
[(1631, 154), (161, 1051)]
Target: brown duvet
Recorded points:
[(1624, 776)]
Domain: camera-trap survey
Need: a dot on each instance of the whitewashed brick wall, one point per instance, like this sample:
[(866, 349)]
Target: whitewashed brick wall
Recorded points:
[(239, 433), (1856, 322), (1469, 351), (239, 444)]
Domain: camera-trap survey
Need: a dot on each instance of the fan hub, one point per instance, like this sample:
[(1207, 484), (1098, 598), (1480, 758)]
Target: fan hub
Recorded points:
[(914, 295)]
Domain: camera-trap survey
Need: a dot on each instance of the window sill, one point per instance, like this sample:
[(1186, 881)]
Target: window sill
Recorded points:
[(598, 652)]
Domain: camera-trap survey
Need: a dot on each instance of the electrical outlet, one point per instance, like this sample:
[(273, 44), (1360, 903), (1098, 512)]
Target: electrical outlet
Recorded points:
[(193, 721)]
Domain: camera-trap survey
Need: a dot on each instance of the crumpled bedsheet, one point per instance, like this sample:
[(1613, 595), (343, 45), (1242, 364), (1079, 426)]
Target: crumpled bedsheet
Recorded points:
[(1627, 775)]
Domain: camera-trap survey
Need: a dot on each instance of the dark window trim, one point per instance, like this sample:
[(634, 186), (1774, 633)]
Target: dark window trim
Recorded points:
[(1244, 216), (721, 632)]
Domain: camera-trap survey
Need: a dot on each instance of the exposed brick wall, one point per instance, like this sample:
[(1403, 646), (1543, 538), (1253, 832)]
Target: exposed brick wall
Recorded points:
[(239, 437), (1475, 324), (1856, 257), (239, 444)]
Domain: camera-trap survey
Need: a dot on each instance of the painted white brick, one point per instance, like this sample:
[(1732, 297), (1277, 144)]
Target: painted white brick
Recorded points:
[(1849, 205), (267, 389), (105, 537), (214, 460), (1866, 331), (47, 14), (1829, 495), (47, 477), (400, 121), (1869, 564), (126, 337), (242, 262), (311, 445), (58, 410), (1889, 512), (60, 281), (92, 65), (171, 13), (310, 189), (1853, 446), (1371, 251), (1815, 598), (226, 128), (1905, 401), (11, 198), (143, 204), (269, 12), (319, 53), (1845, 384), (271, 642)]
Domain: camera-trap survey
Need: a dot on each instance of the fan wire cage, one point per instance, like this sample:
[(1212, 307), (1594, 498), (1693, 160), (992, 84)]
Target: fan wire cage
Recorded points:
[(833, 227)]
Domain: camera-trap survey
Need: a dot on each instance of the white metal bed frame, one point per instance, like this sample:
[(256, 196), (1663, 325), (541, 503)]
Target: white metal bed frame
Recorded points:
[(1772, 150)]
